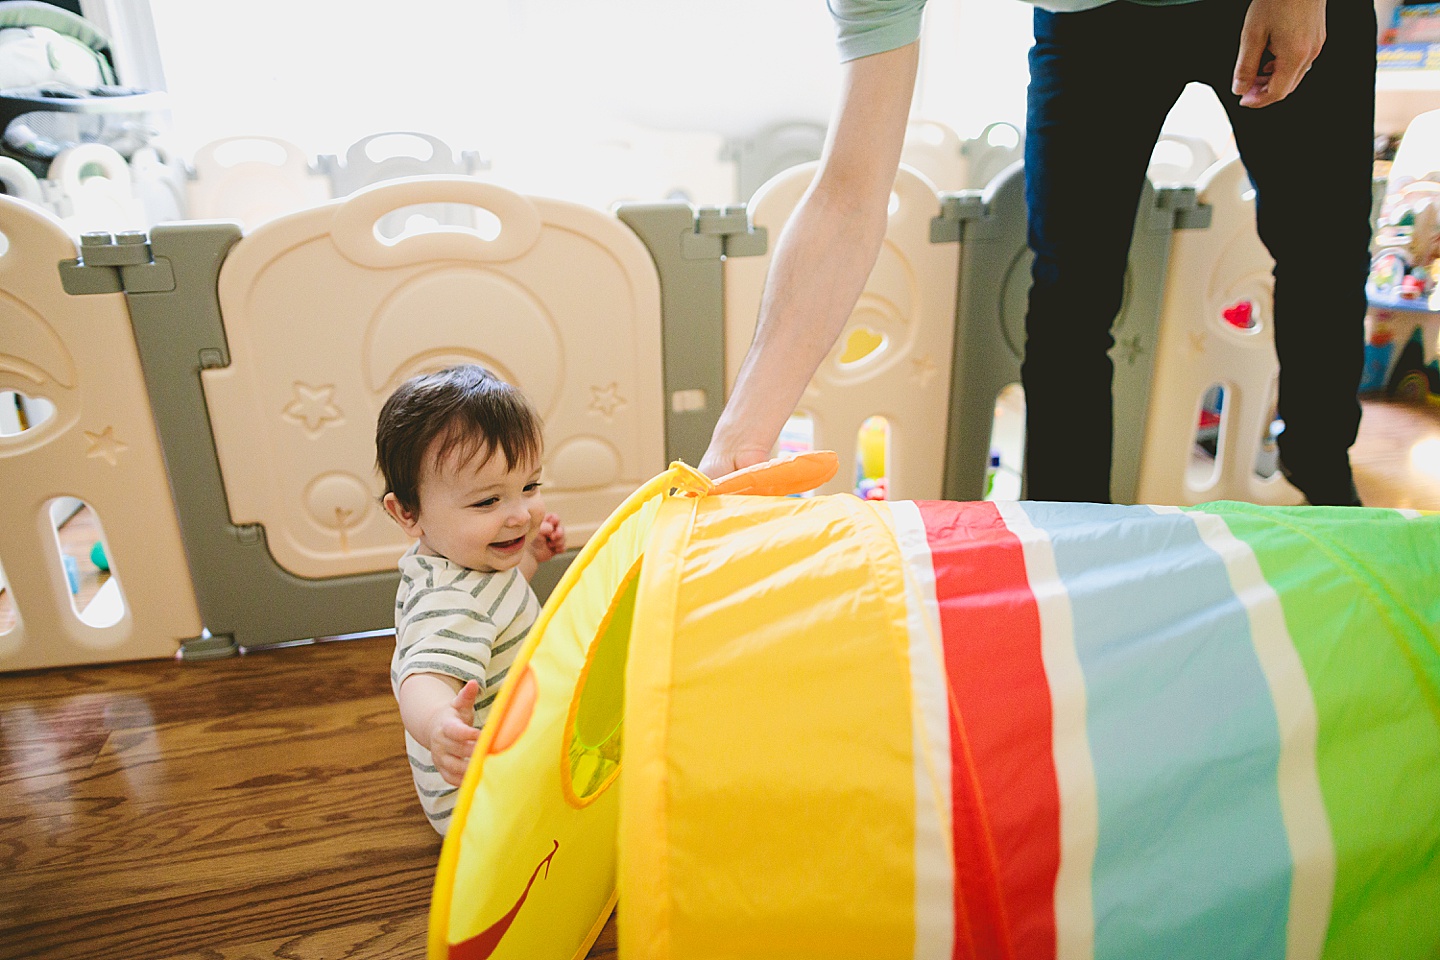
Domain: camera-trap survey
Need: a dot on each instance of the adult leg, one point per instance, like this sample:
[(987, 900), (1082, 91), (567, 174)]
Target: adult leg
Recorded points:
[(1310, 157), (1101, 83)]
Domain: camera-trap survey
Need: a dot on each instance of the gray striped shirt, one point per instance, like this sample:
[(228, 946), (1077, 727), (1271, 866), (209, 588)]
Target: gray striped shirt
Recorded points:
[(460, 623)]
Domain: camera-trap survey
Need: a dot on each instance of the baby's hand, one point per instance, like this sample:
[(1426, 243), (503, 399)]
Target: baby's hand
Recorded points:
[(550, 540), (453, 736)]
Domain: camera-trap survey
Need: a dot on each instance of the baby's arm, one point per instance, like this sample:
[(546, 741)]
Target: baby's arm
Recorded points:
[(437, 712), (547, 543)]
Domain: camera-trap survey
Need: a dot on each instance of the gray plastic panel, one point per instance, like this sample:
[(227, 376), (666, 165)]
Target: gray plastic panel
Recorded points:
[(693, 327), (772, 150), (359, 170), (241, 592), (990, 325)]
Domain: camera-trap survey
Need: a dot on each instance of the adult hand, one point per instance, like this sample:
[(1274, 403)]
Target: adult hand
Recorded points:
[(453, 735), (719, 461), (1279, 41)]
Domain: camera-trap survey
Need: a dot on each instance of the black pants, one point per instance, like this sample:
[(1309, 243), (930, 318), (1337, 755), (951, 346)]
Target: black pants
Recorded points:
[(1101, 84)]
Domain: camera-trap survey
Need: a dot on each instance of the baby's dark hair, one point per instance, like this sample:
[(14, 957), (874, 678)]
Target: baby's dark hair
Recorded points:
[(469, 408)]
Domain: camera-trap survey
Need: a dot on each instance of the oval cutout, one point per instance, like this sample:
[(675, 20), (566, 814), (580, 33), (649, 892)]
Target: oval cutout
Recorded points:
[(20, 413), (422, 218), (87, 566), (233, 153), (1207, 452), (388, 146), (8, 615), (1005, 469), (1003, 135), (872, 459)]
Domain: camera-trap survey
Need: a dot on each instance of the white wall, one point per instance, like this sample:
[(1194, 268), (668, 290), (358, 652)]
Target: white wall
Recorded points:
[(555, 75)]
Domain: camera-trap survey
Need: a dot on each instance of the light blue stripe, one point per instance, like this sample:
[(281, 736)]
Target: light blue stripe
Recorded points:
[(1192, 859)]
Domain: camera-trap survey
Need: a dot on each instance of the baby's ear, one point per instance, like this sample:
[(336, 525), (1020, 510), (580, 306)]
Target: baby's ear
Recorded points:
[(408, 521)]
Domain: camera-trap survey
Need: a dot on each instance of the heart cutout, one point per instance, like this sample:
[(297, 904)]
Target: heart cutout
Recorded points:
[(1241, 315), (861, 343)]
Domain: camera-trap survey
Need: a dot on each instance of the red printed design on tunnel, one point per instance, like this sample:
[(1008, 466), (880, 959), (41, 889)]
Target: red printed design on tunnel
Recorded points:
[(483, 944)]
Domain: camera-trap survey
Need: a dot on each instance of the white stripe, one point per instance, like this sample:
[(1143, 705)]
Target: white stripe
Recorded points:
[(1074, 767), (934, 845), (1302, 805)]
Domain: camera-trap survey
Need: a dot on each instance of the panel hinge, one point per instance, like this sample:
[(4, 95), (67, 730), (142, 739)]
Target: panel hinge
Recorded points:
[(1184, 206), (116, 263), (956, 210), (723, 232)]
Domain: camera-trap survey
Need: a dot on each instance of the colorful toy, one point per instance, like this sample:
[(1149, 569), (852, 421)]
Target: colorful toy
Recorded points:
[(98, 557), (830, 727)]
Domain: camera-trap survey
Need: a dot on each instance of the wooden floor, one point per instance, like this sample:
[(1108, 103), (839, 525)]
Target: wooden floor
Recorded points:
[(261, 806)]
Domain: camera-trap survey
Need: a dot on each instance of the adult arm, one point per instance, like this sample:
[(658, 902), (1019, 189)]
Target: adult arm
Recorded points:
[(1293, 31), (822, 258)]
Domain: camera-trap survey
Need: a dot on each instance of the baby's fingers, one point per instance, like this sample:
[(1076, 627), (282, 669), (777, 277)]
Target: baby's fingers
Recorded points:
[(465, 699)]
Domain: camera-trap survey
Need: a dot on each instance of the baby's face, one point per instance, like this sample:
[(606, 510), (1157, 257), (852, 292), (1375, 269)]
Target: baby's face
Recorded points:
[(478, 512)]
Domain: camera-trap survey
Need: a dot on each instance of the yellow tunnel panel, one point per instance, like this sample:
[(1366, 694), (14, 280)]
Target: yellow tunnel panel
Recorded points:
[(528, 866), (768, 810)]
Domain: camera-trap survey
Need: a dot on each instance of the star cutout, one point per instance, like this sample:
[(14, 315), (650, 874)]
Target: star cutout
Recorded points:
[(925, 370), (105, 446), (606, 400), (312, 407)]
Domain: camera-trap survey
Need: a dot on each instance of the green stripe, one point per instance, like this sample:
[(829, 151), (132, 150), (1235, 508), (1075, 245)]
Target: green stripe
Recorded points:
[(1361, 595)]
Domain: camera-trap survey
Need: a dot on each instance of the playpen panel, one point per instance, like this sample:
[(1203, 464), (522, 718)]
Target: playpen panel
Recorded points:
[(905, 318), (1215, 273), (950, 163), (324, 319), (994, 298), (99, 445), (252, 180), (17, 181), (91, 188)]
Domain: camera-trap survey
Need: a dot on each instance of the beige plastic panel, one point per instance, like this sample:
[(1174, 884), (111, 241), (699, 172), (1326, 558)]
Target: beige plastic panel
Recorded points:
[(1211, 270), (17, 181), (908, 305), (253, 180), (100, 445), (93, 188), (1179, 159), (940, 155), (324, 320)]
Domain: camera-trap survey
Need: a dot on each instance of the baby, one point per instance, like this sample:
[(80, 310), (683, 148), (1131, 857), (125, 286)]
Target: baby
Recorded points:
[(459, 452)]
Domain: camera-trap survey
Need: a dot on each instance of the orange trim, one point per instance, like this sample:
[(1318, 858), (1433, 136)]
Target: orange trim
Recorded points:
[(793, 473), (568, 732)]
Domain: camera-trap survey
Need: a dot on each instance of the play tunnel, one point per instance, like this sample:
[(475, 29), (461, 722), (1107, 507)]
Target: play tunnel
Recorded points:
[(854, 729)]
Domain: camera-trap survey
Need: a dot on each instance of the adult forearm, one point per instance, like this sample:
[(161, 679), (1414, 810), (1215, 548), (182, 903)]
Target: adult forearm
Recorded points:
[(822, 258), (821, 262)]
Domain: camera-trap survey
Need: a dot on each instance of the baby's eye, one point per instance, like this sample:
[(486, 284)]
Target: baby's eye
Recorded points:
[(487, 502), (532, 487)]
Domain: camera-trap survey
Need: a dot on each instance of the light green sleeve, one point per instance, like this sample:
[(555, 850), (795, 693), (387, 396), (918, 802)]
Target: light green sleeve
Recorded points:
[(874, 26)]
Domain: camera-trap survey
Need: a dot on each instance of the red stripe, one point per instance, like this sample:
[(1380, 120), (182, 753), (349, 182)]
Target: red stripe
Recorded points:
[(1006, 802)]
